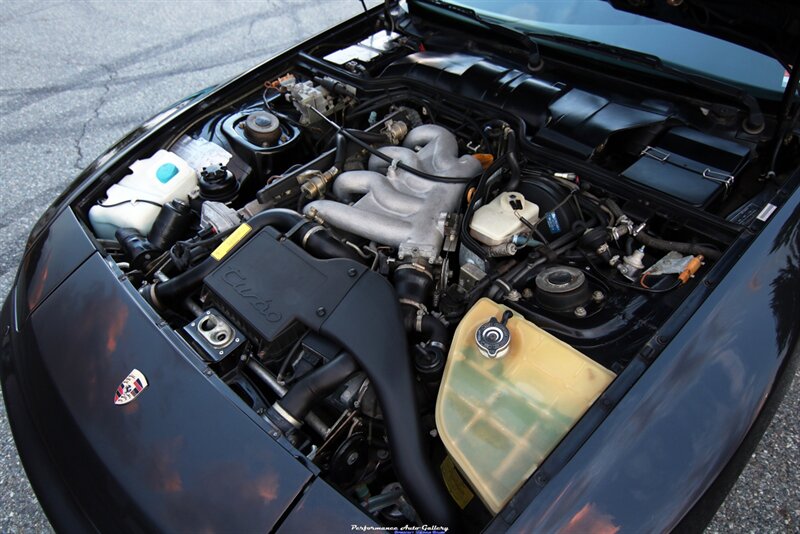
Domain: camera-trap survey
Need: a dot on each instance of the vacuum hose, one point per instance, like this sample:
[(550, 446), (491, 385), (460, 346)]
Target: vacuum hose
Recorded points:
[(683, 248)]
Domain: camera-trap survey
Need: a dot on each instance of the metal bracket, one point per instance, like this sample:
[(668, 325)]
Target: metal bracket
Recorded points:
[(719, 177), (656, 153)]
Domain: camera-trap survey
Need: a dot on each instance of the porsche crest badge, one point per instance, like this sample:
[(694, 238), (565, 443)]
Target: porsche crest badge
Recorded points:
[(130, 388)]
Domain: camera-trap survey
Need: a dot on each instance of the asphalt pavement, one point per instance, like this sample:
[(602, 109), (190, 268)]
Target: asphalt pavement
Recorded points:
[(75, 76)]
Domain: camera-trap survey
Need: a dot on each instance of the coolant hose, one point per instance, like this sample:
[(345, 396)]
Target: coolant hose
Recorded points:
[(684, 248), (429, 326), (317, 385), (414, 288), (314, 238), (434, 329)]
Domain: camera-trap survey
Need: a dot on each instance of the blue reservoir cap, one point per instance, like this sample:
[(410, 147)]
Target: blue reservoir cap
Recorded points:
[(166, 172)]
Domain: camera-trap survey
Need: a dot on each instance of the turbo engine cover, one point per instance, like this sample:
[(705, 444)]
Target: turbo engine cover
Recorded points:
[(268, 297)]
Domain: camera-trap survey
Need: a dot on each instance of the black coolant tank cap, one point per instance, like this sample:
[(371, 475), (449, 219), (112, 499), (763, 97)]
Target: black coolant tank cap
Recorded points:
[(493, 337)]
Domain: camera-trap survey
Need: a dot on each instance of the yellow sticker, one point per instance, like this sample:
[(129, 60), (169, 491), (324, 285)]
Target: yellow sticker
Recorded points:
[(455, 484), (226, 246)]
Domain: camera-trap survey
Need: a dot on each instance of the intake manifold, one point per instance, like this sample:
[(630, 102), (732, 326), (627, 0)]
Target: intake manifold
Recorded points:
[(396, 207)]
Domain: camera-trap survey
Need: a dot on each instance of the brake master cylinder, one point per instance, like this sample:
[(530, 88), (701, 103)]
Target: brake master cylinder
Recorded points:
[(509, 394)]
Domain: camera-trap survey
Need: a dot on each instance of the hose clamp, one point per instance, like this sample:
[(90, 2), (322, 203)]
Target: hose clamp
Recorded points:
[(312, 231), (504, 285), (154, 297), (414, 267), (286, 415), (438, 345), (418, 305)]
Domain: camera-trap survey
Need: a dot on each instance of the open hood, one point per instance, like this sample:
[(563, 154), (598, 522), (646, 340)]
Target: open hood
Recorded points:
[(415, 277), (768, 26)]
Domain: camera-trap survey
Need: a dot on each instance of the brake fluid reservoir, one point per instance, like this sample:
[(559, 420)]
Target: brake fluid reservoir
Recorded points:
[(155, 180), (495, 223), (500, 413)]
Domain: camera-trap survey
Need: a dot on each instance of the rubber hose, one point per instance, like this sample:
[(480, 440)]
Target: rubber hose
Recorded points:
[(615, 209), (368, 137), (433, 329), (520, 272), (341, 151), (684, 248), (317, 384), (599, 214), (415, 286), (429, 326), (629, 246), (513, 164)]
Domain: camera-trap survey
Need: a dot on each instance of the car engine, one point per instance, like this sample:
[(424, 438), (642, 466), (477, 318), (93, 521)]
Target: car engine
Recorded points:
[(422, 267)]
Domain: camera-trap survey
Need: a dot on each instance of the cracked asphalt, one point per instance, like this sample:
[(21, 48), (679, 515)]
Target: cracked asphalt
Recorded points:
[(76, 76)]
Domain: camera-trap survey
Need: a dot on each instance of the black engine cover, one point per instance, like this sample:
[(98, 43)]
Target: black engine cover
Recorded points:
[(270, 285)]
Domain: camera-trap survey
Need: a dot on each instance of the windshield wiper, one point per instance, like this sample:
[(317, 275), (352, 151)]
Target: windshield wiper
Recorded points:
[(754, 124), (523, 39)]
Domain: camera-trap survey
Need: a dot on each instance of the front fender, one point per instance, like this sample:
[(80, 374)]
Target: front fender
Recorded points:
[(703, 403)]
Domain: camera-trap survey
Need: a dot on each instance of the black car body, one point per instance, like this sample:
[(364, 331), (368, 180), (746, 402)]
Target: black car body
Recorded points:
[(317, 410)]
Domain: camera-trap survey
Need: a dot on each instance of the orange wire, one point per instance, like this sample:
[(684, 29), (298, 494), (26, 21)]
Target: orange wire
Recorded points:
[(641, 281)]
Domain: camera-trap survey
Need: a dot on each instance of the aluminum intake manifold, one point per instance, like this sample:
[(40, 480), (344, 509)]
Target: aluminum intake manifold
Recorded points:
[(396, 207)]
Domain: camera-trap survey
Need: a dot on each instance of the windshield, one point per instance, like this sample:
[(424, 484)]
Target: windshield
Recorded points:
[(596, 20)]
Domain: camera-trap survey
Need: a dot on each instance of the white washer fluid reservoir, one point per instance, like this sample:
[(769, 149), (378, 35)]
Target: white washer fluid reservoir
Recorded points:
[(135, 201)]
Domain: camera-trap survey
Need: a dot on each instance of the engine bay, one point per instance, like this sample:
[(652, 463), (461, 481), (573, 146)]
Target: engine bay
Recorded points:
[(422, 266)]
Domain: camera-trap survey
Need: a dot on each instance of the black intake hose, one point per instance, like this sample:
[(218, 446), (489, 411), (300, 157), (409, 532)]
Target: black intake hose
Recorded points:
[(684, 248), (314, 238), (316, 385), (368, 324)]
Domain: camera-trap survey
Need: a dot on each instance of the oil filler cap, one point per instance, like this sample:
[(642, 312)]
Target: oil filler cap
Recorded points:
[(493, 337)]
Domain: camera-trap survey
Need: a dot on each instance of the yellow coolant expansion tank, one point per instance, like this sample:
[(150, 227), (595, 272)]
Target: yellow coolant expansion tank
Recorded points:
[(500, 416)]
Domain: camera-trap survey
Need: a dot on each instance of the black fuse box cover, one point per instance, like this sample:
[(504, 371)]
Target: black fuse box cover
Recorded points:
[(689, 165)]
